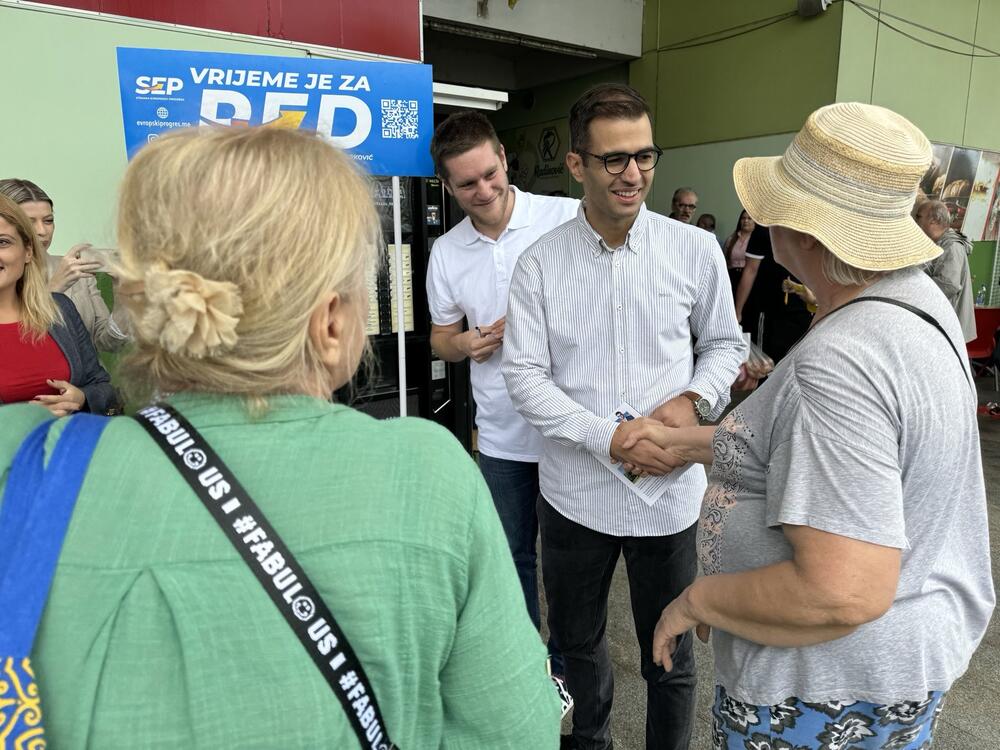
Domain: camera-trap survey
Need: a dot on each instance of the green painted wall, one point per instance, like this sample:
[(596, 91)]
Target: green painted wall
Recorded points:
[(981, 262), (65, 130), (747, 96), (952, 98), (744, 96), (552, 101), (760, 83), (856, 57), (982, 124), (767, 81)]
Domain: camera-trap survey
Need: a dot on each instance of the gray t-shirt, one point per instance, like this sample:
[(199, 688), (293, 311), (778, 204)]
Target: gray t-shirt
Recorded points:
[(867, 429)]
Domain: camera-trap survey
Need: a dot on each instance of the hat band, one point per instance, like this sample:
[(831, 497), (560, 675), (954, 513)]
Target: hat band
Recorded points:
[(863, 198)]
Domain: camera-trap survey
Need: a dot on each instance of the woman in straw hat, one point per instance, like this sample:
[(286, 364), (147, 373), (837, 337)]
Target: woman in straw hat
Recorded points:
[(245, 259), (844, 529)]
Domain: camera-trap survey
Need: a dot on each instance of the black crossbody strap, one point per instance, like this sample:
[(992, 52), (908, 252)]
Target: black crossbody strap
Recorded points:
[(272, 562), (921, 314)]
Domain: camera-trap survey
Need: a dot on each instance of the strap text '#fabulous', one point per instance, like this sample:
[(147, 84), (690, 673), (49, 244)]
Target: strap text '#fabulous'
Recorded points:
[(274, 570)]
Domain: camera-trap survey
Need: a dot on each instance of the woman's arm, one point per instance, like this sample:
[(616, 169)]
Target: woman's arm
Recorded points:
[(727, 247), (686, 444), (743, 289), (106, 334), (90, 378), (832, 585)]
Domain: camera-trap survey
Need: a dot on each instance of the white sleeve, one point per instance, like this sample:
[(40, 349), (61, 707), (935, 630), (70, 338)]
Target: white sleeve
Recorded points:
[(527, 370), (441, 303)]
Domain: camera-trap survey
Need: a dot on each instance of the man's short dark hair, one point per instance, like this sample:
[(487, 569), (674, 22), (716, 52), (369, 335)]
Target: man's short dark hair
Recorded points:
[(612, 100), (459, 133)]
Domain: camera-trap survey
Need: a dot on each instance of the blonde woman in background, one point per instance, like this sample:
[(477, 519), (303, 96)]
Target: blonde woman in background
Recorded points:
[(46, 356), (245, 258), (73, 274)]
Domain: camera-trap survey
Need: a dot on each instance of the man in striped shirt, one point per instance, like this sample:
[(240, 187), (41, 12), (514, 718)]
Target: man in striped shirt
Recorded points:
[(602, 312)]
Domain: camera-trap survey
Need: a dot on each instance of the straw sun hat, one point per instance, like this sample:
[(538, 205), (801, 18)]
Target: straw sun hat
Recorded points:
[(849, 179)]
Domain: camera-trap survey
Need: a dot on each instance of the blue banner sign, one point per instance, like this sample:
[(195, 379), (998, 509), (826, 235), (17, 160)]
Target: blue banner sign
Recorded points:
[(382, 113)]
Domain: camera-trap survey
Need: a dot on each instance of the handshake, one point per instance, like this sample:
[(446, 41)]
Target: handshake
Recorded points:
[(671, 436), (659, 443)]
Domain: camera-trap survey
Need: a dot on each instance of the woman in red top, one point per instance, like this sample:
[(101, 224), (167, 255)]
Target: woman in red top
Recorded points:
[(46, 355)]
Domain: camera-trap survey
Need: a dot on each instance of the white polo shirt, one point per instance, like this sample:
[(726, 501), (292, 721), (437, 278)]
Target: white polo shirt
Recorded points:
[(469, 277)]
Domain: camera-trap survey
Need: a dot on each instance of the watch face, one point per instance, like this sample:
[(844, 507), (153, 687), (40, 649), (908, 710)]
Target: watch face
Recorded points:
[(702, 407)]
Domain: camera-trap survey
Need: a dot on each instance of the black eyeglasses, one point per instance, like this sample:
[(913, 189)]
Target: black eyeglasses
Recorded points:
[(618, 162)]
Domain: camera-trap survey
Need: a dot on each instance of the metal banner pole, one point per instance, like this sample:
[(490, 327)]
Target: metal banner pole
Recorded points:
[(397, 228)]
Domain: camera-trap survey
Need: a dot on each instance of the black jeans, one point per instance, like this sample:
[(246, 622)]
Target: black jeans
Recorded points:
[(577, 566)]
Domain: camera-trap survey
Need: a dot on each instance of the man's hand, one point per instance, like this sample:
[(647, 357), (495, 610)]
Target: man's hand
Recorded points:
[(69, 399), (496, 329), (71, 269), (667, 439), (677, 412), (481, 342), (642, 455)]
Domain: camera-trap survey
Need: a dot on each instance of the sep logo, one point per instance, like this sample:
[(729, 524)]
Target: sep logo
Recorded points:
[(158, 85)]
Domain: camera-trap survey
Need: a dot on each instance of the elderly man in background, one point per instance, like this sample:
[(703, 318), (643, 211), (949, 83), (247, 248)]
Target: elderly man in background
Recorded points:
[(683, 204), (950, 270)]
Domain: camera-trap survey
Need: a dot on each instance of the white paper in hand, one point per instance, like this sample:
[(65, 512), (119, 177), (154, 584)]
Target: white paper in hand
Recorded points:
[(648, 488)]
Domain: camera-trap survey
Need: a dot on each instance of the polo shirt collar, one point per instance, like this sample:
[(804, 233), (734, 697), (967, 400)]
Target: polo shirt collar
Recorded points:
[(635, 240), (519, 219)]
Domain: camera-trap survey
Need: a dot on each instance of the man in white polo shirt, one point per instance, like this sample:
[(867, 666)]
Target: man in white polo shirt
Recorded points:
[(470, 270)]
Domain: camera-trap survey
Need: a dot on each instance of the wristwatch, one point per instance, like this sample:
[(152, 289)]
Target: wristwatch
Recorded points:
[(701, 405)]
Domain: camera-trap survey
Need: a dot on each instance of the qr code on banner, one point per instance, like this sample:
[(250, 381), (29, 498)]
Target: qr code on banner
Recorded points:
[(399, 118)]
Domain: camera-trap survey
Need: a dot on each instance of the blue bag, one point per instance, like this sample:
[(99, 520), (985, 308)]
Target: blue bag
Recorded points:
[(37, 504)]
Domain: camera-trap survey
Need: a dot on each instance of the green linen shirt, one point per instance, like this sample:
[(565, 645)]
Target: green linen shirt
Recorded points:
[(157, 635)]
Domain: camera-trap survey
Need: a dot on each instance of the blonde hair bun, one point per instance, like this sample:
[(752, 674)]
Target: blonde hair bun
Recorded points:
[(188, 314), (280, 216)]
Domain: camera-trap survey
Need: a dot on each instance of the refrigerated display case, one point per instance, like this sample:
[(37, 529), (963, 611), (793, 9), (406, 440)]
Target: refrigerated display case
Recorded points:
[(435, 389)]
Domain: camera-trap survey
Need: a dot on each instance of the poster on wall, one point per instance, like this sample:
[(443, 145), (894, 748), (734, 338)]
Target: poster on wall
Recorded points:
[(934, 179), (991, 231), (982, 199), (381, 113), (536, 157), (958, 183), (967, 181)]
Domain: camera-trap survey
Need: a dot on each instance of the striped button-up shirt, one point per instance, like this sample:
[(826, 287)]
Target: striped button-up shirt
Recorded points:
[(589, 327)]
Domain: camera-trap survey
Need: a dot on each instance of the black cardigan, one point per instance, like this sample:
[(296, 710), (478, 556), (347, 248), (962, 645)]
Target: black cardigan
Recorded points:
[(85, 371)]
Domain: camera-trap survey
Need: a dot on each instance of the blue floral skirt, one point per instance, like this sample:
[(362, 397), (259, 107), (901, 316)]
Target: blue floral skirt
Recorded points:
[(794, 725)]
